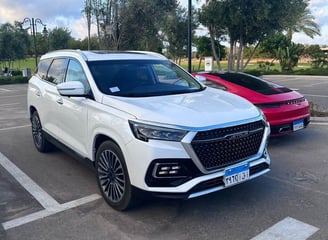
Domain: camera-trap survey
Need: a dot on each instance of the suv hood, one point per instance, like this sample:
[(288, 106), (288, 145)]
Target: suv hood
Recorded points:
[(206, 108)]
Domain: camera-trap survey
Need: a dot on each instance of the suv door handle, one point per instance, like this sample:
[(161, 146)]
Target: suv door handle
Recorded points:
[(38, 93), (60, 101)]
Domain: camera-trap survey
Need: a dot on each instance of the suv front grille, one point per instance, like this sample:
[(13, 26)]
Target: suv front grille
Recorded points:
[(224, 146)]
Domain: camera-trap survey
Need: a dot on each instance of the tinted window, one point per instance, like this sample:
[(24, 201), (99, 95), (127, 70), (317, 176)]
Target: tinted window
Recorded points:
[(43, 68), (57, 71), (216, 85), (141, 78), (75, 73), (253, 83)]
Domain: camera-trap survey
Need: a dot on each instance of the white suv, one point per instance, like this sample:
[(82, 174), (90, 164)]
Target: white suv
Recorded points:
[(145, 124)]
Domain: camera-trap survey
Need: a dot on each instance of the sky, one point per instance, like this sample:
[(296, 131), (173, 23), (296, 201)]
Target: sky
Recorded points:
[(68, 14)]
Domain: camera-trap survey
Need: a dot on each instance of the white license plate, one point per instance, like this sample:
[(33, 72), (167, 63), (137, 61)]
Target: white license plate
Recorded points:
[(236, 175), (297, 125)]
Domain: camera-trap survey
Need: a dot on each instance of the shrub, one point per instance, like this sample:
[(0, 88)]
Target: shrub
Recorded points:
[(13, 80), (265, 65), (16, 73)]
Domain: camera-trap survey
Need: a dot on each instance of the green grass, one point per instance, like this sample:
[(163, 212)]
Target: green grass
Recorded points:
[(21, 64), (253, 68), (26, 63)]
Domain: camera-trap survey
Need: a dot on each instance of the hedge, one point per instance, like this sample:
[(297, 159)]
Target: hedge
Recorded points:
[(13, 80)]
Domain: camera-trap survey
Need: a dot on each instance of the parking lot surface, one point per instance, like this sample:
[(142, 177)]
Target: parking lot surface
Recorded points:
[(53, 196), (314, 88)]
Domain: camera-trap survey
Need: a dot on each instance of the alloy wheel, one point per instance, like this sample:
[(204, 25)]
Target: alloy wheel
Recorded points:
[(111, 176)]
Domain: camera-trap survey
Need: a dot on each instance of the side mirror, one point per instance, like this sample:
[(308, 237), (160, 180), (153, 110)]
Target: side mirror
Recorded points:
[(201, 79), (71, 89)]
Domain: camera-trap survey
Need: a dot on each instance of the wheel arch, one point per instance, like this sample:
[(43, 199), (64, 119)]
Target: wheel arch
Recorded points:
[(32, 109), (98, 140)]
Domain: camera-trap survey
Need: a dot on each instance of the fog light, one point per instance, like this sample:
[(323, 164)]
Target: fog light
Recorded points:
[(165, 168), (168, 170)]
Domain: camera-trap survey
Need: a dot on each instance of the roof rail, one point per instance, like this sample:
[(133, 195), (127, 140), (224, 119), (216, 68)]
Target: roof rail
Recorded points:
[(149, 53), (78, 51)]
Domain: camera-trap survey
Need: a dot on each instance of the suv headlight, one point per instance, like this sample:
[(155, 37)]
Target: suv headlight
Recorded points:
[(145, 132), (262, 113), (264, 118)]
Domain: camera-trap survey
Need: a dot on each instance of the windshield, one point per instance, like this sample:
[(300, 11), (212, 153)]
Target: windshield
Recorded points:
[(141, 78)]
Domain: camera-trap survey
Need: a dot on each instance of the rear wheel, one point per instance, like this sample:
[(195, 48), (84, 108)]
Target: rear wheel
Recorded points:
[(112, 176), (40, 142)]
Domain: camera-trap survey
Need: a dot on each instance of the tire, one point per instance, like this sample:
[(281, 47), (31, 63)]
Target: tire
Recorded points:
[(113, 178), (40, 142)]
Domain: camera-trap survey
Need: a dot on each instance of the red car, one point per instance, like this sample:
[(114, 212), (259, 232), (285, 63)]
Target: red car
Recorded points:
[(286, 110)]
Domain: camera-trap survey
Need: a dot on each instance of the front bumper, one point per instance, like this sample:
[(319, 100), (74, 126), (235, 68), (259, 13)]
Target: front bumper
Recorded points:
[(210, 183), (174, 169)]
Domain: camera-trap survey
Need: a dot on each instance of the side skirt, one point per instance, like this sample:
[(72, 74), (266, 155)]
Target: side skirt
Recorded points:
[(85, 161)]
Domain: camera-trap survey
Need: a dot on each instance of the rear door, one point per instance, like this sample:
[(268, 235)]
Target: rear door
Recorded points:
[(51, 100)]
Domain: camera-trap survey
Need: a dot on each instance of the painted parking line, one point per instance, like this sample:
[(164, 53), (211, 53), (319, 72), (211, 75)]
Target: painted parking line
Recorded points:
[(315, 95), (9, 104), (5, 90), (49, 203), (35, 190), (288, 228), (22, 95), (48, 212), (16, 127), (319, 123)]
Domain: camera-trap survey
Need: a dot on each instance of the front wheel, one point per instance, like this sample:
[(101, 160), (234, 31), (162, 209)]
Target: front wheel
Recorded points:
[(112, 176)]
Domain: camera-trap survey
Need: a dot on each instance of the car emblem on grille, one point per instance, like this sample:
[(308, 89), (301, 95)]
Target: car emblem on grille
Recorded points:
[(237, 135)]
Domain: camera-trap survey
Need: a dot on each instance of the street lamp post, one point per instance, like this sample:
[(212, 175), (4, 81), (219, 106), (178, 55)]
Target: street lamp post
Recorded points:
[(33, 25), (189, 36)]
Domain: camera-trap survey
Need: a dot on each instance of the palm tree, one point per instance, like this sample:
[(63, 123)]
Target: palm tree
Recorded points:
[(306, 24)]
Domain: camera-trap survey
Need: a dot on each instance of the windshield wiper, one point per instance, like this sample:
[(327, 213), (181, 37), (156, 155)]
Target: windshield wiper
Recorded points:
[(182, 91)]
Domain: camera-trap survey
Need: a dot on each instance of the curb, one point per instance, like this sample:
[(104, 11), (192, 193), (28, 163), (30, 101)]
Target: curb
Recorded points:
[(319, 119)]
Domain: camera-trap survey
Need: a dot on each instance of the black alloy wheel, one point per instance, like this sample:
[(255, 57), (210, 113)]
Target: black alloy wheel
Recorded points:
[(112, 176)]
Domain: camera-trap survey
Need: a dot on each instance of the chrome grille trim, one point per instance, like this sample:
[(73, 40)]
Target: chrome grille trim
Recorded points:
[(186, 142), (231, 135)]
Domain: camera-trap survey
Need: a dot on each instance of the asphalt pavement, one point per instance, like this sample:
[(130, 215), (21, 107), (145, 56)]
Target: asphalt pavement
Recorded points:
[(53, 196)]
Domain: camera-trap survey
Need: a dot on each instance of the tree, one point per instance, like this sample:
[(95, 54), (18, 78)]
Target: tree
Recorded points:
[(272, 43), (88, 15), (128, 24), (208, 16), (204, 48), (288, 56), (92, 43), (143, 21), (105, 14), (42, 43), (248, 22), (319, 58), (13, 42), (304, 23), (174, 32), (59, 38), (281, 48)]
